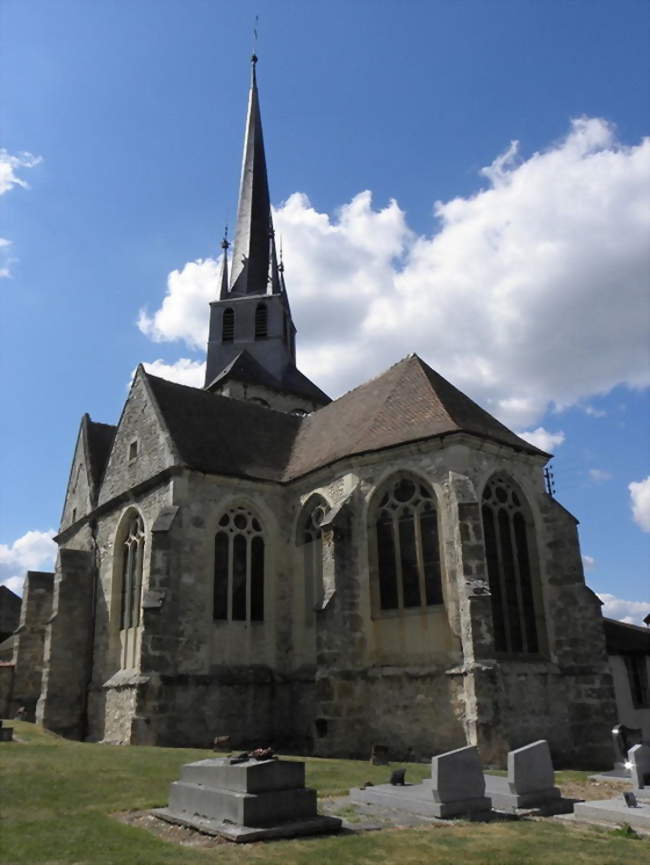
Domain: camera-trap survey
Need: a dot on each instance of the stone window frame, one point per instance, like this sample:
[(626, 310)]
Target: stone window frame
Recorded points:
[(128, 581), (309, 541), (392, 480), (523, 565), (256, 602), (134, 448)]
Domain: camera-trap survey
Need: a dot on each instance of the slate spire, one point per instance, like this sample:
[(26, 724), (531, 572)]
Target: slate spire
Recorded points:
[(254, 267), (224, 267)]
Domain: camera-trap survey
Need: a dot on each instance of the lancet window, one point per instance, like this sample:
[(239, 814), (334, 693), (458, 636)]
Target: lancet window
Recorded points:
[(311, 541), (239, 567), (132, 563), (407, 546), (228, 325), (507, 529), (261, 321)]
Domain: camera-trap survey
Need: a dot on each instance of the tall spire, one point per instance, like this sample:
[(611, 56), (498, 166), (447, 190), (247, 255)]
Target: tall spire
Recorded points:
[(254, 264)]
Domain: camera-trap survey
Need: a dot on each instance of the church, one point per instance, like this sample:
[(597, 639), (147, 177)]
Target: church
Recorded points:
[(253, 559)]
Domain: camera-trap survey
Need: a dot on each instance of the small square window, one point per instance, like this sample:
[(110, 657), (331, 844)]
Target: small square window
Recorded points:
[(133, 450)]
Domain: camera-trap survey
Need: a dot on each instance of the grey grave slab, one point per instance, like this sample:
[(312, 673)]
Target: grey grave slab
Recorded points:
[(413, 798), (246, 801), (613, 811), (530, 781), (458, 784), (639, 756)]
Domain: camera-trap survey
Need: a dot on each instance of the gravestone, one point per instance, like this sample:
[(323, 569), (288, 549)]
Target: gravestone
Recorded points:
[(379, 755), (6, 733), (458, 785), (639, 757), (246, 800), (530, 781)]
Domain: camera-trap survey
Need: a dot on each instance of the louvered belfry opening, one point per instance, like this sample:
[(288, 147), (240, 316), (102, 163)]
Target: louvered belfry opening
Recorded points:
[(507, 535), (261, 321), (228, 325), (407, 546)]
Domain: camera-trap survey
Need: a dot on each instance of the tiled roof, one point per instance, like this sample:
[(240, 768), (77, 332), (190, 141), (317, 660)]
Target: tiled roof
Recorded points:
[(246, 369), (100, 441), (409, 402)]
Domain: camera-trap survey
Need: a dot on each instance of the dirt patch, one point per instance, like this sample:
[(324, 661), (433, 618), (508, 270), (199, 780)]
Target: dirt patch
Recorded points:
[(589, 789), (169, 831)]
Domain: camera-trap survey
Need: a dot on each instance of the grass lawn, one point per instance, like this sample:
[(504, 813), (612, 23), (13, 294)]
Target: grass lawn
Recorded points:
[(58, 798)]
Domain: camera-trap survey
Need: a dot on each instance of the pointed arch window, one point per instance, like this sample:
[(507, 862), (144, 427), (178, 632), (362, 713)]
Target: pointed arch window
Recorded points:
[(407, 547), (507, 529), (132, 564), (261, 321), (310, 539), (228, 325), (239, 567)]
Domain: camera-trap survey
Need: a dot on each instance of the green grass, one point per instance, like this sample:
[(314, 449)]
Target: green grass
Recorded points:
[(57, 798)]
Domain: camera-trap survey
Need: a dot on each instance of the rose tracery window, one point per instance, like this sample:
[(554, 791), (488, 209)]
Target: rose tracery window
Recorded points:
[(239, 567), (407, 547), (507, 535), (132, 561)]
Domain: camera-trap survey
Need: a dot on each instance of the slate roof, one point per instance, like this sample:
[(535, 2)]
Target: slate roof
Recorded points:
[(409, 402), (622, 638), (243, 367), (100, 441)]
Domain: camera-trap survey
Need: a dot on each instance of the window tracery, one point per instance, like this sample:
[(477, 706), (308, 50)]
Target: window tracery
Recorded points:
[(507, 536), (310, 537), (132, 565), (407, 546), (239, 567)]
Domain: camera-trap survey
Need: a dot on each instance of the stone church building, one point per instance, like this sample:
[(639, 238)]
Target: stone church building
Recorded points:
[(253, 559)]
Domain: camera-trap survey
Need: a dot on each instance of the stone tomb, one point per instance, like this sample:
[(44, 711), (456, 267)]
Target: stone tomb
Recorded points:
[(246, 801), (456, 789), (530, 781), (616, 811)]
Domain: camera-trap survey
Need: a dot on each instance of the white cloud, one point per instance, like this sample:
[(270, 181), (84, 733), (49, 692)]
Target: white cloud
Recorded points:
[(640, 502), (10, 163), (33, 551), (588, 562), (594, 412), (543, 439), (184, 371), (599, 475), (494, 299), (632, 612)]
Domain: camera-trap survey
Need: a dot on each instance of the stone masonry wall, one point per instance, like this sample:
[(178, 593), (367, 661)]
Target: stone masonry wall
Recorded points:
[(29, 643)]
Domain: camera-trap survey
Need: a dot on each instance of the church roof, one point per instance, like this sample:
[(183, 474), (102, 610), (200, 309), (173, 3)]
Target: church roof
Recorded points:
[(409, 402), (100, 440), (243, 367)]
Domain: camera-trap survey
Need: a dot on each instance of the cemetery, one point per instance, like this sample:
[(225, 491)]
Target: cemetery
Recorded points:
[(72, 802)]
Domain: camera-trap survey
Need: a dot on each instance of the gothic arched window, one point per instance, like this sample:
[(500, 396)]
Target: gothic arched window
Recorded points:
[(407, 546), (228, 325), (239, 567), (311, 540), (261, 321), (132, 562), (507, 529)]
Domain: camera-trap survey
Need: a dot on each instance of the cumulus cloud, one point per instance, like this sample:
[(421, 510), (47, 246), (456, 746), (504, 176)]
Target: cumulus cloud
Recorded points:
[(494, 298), (599, 475), (632, 612), (183, 371), (640, 502), (588, 562), (33, 551), (9, 165), (543, 439)]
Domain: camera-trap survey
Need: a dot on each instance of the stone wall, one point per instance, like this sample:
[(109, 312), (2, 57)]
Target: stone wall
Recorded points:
[(6, 686), (67, 651), (29, 643)]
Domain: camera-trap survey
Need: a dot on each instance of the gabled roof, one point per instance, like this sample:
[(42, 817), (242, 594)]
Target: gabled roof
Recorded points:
[(406, 403), (409, 402), (220, 435), (243, 367)]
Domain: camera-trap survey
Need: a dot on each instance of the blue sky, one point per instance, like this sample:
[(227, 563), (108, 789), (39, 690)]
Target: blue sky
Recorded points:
[(526, 285)]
